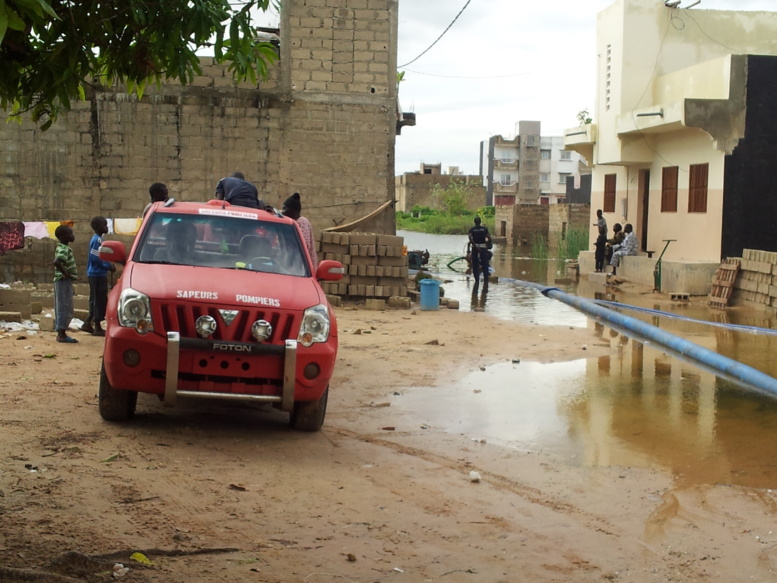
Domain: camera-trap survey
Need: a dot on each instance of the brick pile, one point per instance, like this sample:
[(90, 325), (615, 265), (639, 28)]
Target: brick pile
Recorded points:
[(757, 279), (375, 265)]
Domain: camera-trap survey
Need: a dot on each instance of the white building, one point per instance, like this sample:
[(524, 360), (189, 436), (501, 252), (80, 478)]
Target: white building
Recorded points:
[(527, 169)]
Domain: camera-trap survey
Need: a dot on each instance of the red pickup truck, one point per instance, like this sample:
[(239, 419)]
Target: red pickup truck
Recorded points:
[(218, 301)]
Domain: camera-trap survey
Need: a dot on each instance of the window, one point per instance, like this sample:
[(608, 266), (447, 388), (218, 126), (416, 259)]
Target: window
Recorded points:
[(609, 193), (566, 155), (544, 177), (530, 140), (669, 189), (562, 177), (697, 188), (505, 180), (545, 154)]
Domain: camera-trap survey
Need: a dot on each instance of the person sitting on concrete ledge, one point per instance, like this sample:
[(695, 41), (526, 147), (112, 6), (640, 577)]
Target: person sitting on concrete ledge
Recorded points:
[(628, 247)]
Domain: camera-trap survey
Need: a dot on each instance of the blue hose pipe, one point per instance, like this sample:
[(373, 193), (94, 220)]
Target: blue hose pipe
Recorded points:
[(710, 359)]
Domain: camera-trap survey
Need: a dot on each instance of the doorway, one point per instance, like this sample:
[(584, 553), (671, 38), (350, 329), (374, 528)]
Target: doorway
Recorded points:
[(643, 194)]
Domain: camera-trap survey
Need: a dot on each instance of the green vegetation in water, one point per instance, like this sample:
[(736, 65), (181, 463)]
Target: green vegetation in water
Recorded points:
[(575, 242), (451, 217), (539, 246), (568, 247)]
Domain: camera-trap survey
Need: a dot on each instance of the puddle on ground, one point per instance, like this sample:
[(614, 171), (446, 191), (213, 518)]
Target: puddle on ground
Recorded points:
[(638, 408)]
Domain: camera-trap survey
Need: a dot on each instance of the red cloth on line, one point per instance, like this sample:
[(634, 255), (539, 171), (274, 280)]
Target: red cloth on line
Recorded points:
[(11, 236)]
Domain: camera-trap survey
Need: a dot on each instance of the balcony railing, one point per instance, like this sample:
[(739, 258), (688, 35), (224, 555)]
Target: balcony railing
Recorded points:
[(503, 163)]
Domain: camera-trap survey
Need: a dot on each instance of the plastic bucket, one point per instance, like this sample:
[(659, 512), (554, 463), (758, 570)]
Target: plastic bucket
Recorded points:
[(430, 294)]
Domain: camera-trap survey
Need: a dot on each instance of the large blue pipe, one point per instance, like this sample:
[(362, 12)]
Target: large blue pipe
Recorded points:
[(712, 360)]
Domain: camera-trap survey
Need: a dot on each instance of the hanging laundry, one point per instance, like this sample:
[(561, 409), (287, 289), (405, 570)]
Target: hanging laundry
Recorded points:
[(126, 226), (110, 226), (51, 226), (36, 229), (11, 236)]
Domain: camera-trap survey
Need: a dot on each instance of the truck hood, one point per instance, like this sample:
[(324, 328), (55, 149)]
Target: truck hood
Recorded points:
[(224, 287)]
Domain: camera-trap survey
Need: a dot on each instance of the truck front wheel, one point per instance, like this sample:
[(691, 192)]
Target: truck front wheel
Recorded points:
[(309, 415), (115, 404)]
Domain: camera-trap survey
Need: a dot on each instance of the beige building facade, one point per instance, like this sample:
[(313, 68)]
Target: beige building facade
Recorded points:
[(324, 125), (683, 138)]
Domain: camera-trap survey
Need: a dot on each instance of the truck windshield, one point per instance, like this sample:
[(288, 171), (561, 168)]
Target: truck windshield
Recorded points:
[(222, 242)]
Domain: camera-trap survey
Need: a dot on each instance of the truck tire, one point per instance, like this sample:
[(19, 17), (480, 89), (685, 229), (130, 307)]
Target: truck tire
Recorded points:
[(309, 415), (115, 404)]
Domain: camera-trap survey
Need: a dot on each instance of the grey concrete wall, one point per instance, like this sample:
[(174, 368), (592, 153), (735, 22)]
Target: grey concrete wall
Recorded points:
[(323, 125), (416, 189)]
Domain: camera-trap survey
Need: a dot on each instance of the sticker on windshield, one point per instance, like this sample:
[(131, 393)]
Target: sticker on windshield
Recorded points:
[(259, 300), (228, 213)]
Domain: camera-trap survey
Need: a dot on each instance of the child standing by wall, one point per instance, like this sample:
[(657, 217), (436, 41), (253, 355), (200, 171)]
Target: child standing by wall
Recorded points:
[(64, 274), (97, 272), (599, 245)]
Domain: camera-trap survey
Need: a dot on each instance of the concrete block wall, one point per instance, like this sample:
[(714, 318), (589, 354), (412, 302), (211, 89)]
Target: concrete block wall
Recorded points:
[(563, 218), (375, 265), (530, 220), (756, 282), (323, 125), (416, 189)]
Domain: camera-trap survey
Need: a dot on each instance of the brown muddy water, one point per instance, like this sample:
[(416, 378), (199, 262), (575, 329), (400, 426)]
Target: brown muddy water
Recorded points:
[(640, 407)]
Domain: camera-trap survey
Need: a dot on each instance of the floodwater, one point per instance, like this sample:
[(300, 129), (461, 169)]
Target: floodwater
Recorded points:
[(639, 407)]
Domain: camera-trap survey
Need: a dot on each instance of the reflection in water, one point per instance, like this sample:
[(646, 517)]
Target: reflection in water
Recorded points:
[(640, 406), (478, 304)]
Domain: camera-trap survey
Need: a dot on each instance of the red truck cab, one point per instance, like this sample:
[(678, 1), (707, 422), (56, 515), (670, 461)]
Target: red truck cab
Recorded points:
[(218, 301)]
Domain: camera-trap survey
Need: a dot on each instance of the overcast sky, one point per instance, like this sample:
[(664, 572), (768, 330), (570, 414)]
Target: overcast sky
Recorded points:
[(502, 61)]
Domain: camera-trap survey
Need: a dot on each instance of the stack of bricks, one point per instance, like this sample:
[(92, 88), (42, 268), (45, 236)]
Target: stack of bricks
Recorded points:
[(375, 265), (757, 279)]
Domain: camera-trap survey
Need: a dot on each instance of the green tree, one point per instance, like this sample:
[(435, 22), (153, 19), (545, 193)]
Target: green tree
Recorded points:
[(51, 51), (453, 198)]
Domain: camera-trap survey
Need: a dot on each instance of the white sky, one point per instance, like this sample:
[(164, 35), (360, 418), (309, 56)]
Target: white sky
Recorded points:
[(501, 62)]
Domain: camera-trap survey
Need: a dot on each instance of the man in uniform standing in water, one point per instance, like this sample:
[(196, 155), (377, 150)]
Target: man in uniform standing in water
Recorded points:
[(480, 241)]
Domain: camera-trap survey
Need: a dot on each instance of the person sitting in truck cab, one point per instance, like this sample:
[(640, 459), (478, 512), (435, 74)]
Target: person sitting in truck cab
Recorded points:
[(257, 253), (181, 238)]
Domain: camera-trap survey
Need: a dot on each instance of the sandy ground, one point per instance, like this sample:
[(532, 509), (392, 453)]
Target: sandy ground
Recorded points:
[(216, 492)]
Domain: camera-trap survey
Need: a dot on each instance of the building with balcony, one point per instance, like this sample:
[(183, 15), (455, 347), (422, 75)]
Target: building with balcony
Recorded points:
[(529, 169), (684, 137)]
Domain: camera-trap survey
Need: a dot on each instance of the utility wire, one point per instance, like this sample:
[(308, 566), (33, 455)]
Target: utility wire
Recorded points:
[(439, 37)]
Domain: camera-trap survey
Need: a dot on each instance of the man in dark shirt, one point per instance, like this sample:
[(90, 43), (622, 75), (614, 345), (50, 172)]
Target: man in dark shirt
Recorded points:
[(237, 190), (480, 241)]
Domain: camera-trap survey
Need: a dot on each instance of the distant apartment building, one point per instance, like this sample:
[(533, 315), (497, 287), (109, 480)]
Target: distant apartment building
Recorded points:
[(527, 169)]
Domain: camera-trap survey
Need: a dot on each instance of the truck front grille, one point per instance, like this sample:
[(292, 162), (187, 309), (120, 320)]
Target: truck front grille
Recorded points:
[(182, 317)]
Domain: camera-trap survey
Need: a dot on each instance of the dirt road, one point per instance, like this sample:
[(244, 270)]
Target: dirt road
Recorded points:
[(217, 492)]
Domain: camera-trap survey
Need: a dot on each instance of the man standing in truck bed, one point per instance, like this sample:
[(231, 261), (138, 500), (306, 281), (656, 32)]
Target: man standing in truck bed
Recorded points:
[(237, 190)]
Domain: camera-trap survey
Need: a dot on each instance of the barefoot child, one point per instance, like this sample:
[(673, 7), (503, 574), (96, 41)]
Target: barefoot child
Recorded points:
[(64, 274), (97, 272)]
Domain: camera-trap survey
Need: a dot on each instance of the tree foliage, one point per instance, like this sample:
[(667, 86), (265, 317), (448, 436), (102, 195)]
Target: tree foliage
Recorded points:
[(52, 50), (453, 198)]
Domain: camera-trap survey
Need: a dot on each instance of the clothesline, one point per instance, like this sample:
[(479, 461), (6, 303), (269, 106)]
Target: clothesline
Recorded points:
[(12, 233)]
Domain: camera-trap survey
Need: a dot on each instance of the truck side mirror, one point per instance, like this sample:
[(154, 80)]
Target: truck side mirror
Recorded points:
[(113, 251)]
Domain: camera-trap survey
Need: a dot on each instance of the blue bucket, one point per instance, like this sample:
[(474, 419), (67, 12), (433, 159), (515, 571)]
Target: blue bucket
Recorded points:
[(430, 294)]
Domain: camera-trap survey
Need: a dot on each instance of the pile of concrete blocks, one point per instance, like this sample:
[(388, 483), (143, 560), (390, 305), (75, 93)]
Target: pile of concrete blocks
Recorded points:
[(375, 265), (756, 282), (29, 302)]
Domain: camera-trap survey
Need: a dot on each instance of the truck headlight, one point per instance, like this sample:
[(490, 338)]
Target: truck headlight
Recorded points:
[(315, 326), (135, 311)]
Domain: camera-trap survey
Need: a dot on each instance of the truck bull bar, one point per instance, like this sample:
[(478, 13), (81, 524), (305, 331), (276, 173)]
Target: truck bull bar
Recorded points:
[(174, 345)]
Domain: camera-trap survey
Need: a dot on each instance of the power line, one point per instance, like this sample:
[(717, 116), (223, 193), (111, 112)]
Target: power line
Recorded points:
[(482, 77), (439, 37)]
